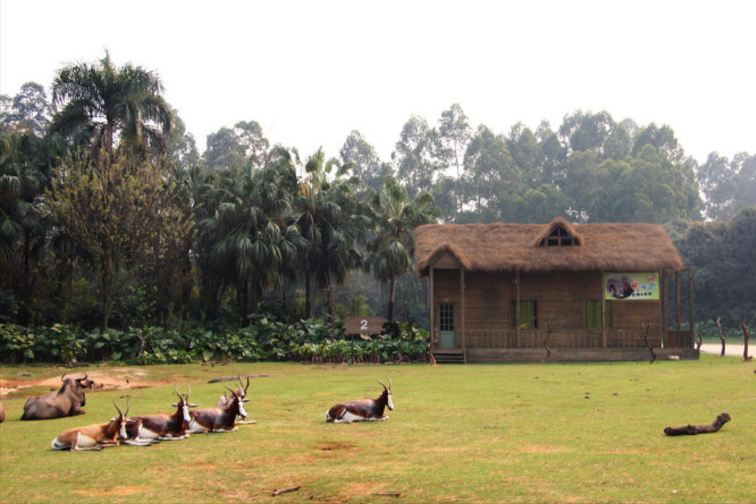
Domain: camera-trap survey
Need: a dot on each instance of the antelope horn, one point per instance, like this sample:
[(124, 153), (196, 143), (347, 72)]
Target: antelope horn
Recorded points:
[(245, 388), (188, 391), (241, 384), (177, 392), (389, 384), (117, 408), (127, 408), (230, 390), (382, 384)]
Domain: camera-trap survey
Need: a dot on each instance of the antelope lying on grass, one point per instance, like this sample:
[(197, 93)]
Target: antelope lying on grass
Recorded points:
[(362, 409), (218, 419), (148, 429), (225, 400), (67, 401), (93, 437)]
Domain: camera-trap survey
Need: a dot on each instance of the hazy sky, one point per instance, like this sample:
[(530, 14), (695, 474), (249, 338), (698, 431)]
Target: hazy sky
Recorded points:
[(310, 72)]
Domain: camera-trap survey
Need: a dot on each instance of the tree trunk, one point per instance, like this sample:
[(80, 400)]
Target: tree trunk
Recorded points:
[(308, 295), (242, 296), (648, 345), (746, 339), (392, 299), (721, 335), (692, 430)]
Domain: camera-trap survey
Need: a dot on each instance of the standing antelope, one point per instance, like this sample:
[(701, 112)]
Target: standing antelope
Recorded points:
[(362, 409), (93, 437), (225, 400), (148, 429), (218, 419)]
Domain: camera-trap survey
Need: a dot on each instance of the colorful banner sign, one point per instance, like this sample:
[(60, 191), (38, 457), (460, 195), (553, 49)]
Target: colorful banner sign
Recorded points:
[(632, 286)]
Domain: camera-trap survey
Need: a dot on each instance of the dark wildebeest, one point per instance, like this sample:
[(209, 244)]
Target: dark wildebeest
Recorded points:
[(67, 401)]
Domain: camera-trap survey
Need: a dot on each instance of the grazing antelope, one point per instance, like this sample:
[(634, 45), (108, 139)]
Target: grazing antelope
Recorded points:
[(218, 419), (148, 429), (225, 400), (362, 409), (93, 437), (68, 401)]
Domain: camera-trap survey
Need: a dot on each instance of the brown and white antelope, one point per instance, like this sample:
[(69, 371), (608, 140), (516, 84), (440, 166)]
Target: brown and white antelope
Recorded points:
[(94, 437), (218, 419), (148, 429), (362, 409), (225, 400)]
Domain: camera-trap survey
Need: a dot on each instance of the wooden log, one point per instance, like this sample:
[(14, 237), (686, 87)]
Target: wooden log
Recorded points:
[(285, 490), (692, 430), (721, 335), (234, 378)]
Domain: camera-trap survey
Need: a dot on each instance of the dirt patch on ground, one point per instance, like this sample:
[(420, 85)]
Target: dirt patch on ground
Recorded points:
[(118, 490), (123, 378)]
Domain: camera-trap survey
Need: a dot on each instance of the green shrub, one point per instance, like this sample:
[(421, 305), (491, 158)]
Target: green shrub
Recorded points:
[(266, 339)]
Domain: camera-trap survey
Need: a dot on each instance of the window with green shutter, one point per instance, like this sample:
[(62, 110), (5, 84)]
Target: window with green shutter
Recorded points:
[(593, 314), (528, 314)]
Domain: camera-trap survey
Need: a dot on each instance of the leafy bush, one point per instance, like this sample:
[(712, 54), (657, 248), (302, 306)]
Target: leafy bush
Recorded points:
[(266, 339)]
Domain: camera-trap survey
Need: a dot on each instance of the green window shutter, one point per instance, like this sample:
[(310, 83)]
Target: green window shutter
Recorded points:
[(528, 314), (593, 314)]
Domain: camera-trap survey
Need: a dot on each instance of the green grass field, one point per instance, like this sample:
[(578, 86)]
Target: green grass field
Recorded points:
[(579, 433)]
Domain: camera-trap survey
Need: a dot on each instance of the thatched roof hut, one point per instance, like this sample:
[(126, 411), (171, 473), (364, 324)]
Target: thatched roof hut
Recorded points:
[(558, 245)]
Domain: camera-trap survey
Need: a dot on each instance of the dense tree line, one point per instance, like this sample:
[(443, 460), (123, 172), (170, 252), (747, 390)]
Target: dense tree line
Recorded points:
[(109, 215)]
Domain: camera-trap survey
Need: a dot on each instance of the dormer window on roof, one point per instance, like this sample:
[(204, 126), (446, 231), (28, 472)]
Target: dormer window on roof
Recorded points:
[(559, 237)]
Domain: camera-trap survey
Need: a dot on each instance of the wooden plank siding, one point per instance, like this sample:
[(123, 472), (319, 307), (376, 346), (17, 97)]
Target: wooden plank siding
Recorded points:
[(560, 298)]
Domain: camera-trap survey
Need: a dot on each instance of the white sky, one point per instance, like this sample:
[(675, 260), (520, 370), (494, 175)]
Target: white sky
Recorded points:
[(312, 71)]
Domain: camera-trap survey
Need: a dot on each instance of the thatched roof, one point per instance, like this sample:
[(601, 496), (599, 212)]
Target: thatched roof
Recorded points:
[(585, 247)]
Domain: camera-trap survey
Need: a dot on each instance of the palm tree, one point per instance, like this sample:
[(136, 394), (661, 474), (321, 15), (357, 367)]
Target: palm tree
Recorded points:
[(26, 167), (329, 219), (396, 216), (252, 243), (100, 103)]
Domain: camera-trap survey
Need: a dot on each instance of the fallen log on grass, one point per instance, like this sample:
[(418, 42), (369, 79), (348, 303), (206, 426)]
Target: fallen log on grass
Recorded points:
[(692, 430), (276, 493), (234, 378)]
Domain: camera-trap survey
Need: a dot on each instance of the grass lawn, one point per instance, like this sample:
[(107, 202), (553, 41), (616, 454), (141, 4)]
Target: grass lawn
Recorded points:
[(579, 433)]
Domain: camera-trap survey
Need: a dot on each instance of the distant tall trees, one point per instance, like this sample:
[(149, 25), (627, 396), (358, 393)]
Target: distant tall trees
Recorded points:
[(108, 212), (727, 185), (102, 105), (722, 257)]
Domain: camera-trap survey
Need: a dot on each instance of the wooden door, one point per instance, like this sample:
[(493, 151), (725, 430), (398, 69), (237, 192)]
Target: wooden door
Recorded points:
[(447, 334)]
